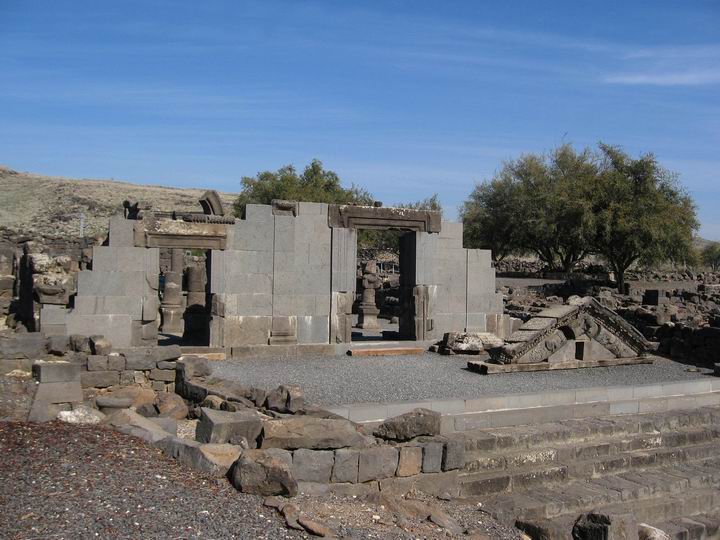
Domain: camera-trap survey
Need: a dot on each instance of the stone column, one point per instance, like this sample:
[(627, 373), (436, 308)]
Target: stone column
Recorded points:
[(197, 316), (171, 307), (367, 310)]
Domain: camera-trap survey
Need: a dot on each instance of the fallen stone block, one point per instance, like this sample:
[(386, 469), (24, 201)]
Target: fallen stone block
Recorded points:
[(55, 371), (31, 345), (598, 526), (313, 465), (59, 392), (46, 412), (376, 463), (167, 364), (259, 473), (113, 402), (228, 427), (166, 353), (285, 399), (410, 425), (81, 414), (193, 366), (171, 405), (100, 345), (58, 345), (132, 423), (167, 424), (312, 433), (139, 359), (80, 343)]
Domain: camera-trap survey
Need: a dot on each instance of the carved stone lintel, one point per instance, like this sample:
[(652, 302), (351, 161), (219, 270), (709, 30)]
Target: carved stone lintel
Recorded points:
[(370, 217), (212, 203), (284, 208)]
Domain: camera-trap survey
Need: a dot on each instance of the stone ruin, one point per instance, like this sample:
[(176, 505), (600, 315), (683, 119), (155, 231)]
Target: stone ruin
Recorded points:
[(282, 277)]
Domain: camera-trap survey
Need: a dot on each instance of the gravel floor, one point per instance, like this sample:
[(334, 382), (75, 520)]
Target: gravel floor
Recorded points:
[(343, 379), (63, 481)]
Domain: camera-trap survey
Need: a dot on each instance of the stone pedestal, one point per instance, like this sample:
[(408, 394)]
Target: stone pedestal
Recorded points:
[(368, 311)]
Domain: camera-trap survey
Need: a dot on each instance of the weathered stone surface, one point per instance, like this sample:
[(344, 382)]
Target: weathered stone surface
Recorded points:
[(228, 427), (165, 375), (648, 532), (410, 425), (410, 461), (55, 371), (432, 457), (116, 362), (97, 363), (313, 465), (58, 345), (100, 345), (345, 468), (80, 343), (167, 364), (598, 526), (81, 414), (167, 353), (171, 405), (113, 402), (213, 402), (139, 359), (132, 423), (59, 392), (316, 528), (453, 454), (259, 473), (194, 366), (376, 463), (471, 342), (285, 399), (99, 379), (29, 345), (313, 433)]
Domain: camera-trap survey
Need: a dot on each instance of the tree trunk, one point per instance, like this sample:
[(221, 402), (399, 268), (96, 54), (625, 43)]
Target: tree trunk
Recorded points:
[(620, 277)]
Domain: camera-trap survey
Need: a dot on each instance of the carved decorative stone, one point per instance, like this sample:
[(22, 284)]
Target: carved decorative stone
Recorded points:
[(155, 231), (370, 217), (212, 203), (284, 208), (368, 310)]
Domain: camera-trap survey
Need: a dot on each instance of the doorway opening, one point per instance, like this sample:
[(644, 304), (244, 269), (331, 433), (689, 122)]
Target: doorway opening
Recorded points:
[(184, 294), (383, 309)]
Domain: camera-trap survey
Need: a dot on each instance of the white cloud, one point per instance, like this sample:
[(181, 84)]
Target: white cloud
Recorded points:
[(686, 78)]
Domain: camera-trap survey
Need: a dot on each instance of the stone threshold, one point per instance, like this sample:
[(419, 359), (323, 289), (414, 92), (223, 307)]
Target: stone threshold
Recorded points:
[(531, 408)]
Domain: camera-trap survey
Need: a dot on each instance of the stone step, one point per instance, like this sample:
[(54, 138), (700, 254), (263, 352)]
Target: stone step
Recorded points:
[(586, 430), (704, 526), (478, 460), (659, 495), (521, 475), (385, 351)]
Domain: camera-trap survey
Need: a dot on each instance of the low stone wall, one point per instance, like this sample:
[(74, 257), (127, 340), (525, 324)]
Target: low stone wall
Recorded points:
[(698, 345), (321, 451)]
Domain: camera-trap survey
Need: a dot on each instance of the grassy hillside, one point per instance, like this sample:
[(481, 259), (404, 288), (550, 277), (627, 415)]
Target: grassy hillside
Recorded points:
[(51, 206)]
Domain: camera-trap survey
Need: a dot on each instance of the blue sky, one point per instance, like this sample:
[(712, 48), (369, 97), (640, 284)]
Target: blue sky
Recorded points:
[(403, 98)]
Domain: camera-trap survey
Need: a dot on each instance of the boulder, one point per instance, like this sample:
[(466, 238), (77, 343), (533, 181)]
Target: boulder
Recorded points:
[(410, 425), (81, 414), (313, 433), (648, 532), (285, 399), (259, 473), (171, 405), (228, 427)]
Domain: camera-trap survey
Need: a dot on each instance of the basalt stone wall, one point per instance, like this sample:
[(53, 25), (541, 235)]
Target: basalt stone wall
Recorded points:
[(698, 345)]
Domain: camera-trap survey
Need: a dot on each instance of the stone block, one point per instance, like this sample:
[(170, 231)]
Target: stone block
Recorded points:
[(30, 345), (228, 427), (115, 362), (116, 328), (127, 378), (376, 463), (432, 457), (58, 345), (313, 465), (166, 364), (99, 379), (166, 375), (453, 454), (258, 212), (345, 468), (166, 353), (52, 330), (97, 363), (253, 235), (53, 372), (140, 359), (150, 308), (59, 392), (246, 330), (313, 329), (410, 460), (121, 232), (52, 314)]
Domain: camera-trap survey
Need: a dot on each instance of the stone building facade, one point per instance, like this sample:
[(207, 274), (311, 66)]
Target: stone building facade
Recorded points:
[(284, 275)]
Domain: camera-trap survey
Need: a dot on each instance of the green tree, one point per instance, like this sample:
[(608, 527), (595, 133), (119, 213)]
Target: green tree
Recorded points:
[(314, 184), (642, 214), (711, 256), (492, 217), (536, 203)]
